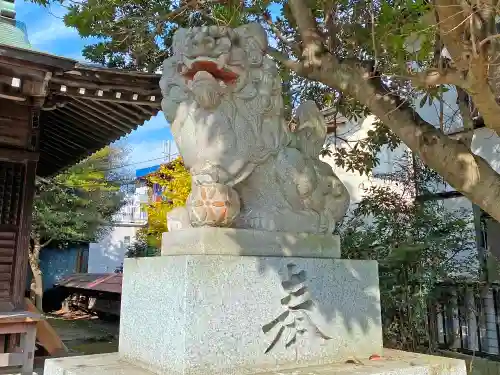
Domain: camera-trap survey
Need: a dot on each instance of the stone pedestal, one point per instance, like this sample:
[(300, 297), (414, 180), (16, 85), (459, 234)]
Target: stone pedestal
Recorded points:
[(229, 241), (244, 310), (217, 314), (393, 363)]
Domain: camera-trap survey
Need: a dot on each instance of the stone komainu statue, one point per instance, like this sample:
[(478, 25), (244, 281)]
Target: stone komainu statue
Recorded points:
[(222, 96)]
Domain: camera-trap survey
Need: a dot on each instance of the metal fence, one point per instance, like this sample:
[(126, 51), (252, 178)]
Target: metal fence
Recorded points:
[(466, 317)]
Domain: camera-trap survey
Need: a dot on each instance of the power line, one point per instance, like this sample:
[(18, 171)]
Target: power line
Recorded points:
[(168, 155), (124, 182), (128, 165)]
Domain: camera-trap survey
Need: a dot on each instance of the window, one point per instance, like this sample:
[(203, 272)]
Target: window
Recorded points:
[(126, 241)]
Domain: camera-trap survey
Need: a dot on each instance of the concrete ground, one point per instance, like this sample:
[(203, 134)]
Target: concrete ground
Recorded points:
[(83, 334)]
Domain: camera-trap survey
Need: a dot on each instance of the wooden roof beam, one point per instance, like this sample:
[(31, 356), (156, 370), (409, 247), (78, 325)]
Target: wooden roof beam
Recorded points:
[(34, 60), (77, 147), (145, 109), (11, 92), (101, 127), (44, 152), (46, 163), (124, 108), (100, 70), (21, 72), (68, 115), (8, 154), (152, 99), (65, 133), (117, 110), (67, 140), (58, 146), (82, 105), (63, 123)]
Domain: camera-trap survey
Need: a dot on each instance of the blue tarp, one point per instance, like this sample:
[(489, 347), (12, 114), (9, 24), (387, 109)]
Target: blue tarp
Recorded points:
[(57, 263), (145, 171)]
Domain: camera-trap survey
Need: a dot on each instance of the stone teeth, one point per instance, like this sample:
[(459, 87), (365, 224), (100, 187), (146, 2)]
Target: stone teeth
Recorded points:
[(202, 75)]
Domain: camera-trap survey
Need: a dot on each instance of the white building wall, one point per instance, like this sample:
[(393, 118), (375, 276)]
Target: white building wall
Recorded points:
[(354, 182), (485, 143), (109, 253)]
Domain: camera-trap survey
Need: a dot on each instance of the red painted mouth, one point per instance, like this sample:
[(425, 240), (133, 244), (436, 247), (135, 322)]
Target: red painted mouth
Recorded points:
[(222, 74)]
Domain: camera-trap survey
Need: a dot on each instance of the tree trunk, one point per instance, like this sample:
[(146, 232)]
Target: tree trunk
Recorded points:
[(34, 260), (468, 173)]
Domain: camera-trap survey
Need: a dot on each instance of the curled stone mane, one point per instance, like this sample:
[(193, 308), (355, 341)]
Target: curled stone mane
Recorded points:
[(224, 73)]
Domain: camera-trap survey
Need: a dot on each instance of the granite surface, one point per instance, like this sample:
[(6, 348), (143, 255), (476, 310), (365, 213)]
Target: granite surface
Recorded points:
[(194, 314), (393, 363), (230, 241)]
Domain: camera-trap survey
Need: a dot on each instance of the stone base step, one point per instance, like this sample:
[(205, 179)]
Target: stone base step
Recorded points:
[(393, 363)]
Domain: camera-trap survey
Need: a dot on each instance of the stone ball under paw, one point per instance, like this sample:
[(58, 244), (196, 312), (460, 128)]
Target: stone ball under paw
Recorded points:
[(213, 205)]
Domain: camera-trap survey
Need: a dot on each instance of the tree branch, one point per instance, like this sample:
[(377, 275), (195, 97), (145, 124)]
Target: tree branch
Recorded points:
[(466, 172), (482, 95), (311, 39), (285, 60), (280, 35), (455, 22), (452, 23), (46, 243), (189, 5), (434, 77)]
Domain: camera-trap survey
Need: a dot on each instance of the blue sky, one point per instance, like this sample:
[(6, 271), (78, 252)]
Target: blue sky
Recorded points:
[(47, 32)]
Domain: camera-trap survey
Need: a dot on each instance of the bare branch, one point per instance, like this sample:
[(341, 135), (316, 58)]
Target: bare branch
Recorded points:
[(488, 39), (295, 66), (46, 243), (434, 77), (281, 37)]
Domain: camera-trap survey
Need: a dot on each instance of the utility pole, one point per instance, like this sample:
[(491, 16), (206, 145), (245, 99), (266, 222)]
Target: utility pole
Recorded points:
[(167, 151)]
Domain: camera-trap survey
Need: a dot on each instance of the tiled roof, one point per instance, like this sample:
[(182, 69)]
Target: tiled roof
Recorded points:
[(81, 122), (84, 108), (13, 33)]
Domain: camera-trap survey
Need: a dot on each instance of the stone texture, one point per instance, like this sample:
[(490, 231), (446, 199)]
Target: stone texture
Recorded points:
[(223, 100), (193, 314), (229, 241), (394, 363)]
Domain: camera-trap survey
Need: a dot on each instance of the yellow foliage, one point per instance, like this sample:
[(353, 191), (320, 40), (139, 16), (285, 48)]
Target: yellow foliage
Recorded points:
[(175, 182)]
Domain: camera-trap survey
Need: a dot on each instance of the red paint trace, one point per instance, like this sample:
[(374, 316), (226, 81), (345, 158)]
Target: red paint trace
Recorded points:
[(224, 74)]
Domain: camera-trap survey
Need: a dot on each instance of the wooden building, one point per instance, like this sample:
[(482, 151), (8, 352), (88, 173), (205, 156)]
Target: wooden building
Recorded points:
[(53, 113)]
